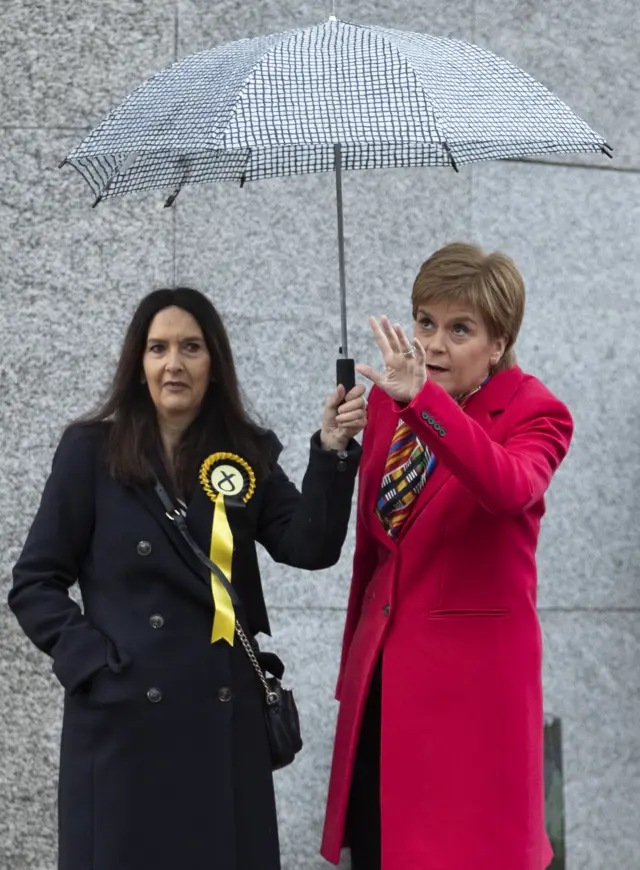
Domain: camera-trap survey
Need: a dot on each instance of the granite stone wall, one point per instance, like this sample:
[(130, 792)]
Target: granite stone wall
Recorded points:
[(70, 278)]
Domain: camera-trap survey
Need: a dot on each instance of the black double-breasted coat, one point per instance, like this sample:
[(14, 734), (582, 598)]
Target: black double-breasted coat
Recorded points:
[(164, 762)]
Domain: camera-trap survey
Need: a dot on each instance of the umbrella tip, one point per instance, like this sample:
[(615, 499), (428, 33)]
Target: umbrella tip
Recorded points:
[(607, 150), (97, 202), (64, 163), (452, 159)]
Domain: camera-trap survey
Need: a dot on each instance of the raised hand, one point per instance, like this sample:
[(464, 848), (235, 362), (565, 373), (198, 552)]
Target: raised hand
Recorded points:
[(405, 371), (344, 417)]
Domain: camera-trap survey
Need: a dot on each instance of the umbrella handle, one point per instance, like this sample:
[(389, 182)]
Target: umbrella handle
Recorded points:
[(346, 373)]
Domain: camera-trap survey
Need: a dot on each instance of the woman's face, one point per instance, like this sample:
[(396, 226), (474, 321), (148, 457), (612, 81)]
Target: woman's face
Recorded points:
[(457, 345), (176, 365)]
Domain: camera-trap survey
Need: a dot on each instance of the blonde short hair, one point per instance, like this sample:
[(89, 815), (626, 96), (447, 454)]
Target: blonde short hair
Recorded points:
[(489, 283)]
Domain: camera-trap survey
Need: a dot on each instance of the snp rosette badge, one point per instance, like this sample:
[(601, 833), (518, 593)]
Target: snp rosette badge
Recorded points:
[(227, 475)]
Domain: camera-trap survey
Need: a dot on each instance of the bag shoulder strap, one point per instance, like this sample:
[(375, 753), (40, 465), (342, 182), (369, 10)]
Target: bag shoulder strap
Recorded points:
[(177, 516)]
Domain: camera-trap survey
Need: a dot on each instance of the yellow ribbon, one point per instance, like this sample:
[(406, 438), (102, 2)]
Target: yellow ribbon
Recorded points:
[(224, 620), (216, 474)]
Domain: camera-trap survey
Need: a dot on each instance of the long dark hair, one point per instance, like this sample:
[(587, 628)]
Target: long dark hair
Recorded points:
[(129, 409)]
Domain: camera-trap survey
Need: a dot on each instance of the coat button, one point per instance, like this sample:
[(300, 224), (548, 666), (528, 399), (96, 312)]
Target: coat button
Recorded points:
[(342, 457), (144, 548), (224, 694), (156, 621), (442, 432), (424, 415), (386, 609), (154, 695)]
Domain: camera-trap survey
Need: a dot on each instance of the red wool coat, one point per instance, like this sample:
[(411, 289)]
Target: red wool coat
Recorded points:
[(452, 607)]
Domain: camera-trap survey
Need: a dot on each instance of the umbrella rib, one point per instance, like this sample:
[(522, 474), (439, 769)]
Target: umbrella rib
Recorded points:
[(280, 37), (433, 105)]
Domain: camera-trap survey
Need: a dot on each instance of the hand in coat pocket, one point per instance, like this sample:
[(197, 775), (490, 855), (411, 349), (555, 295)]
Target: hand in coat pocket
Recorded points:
[(110, 684)]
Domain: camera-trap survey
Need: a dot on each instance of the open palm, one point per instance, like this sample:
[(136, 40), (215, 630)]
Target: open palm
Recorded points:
[(405, 372)]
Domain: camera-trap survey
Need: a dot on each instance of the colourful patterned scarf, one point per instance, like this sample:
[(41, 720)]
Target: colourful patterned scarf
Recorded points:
[(407, 468)]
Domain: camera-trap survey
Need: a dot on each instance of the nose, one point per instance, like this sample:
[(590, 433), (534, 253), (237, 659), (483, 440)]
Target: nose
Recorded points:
[(436, 343), (174, 362)]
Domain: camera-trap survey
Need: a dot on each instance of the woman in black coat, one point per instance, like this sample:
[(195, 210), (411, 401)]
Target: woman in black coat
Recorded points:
[(164, 759)]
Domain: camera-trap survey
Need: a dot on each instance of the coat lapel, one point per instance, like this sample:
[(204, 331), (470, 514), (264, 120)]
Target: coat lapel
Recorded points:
[(485, 408), (149, 499), (371, 479), (200, 512)]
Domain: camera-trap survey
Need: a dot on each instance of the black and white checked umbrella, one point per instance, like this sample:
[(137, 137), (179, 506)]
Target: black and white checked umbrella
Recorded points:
[(333, 97)]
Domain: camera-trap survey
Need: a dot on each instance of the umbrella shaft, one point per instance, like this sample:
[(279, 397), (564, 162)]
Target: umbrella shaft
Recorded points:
[(343, 288)]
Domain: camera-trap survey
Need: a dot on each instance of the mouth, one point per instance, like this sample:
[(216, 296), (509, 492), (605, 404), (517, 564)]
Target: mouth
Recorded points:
[(175, 386), (436, 370)]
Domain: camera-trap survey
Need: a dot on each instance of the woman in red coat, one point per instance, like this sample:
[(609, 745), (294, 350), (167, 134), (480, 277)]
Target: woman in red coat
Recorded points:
[(438, 757)]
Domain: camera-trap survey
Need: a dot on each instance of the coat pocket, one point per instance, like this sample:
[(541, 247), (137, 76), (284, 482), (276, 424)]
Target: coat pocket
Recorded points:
[(106, 689), (471, 613)]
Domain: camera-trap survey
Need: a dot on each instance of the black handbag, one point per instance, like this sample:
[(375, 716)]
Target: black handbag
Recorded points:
[(280, 711)]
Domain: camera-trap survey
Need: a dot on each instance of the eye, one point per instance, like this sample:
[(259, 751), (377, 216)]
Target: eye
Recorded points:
[(460, 329), (156, 347), (193, 346), (426, 322)]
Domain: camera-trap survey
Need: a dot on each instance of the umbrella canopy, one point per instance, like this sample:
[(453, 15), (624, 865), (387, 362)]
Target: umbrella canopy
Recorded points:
[(331, 97), (277, 105)]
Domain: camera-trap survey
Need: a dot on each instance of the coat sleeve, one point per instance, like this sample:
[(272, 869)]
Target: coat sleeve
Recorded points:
[(307, 529), (51, 559), (505, 478)]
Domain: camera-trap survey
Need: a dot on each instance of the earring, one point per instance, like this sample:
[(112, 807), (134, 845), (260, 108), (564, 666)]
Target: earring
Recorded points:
[(143, 380)]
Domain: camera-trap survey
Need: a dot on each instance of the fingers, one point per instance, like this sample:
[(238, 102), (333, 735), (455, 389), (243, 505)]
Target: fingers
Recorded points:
[(380, 336), (370, 374), (355, 405), (350, 415), (352, 410), (404, 344), (390, 338), (356, 393), (336, 398), (390, 333), (353, 420), (421, 356), (353, 399)]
